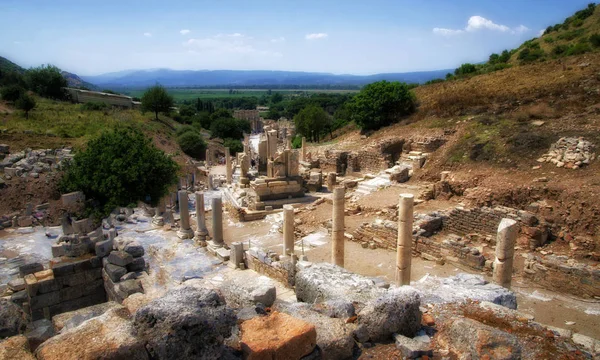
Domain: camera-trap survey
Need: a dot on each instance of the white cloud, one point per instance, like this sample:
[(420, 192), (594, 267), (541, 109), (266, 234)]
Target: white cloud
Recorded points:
[(316, 36), (147, 34), (476, 23), (235, 43), (278, 40), (184, 32)]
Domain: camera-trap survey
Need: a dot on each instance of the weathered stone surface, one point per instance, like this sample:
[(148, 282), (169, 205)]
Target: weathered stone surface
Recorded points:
[(461, 287), (103, 248), (134, 248), (30, 269), (108, 336), (472, 339), (17, 284), (277, 337), (412, 348), (186, 323), (38, 332), (247, 291), (322, 282), (115, 272), (16, 347), (336, 309), (396, 311), (120, 258), (13, 321), (73, 319), (137, 264), (334, 336)]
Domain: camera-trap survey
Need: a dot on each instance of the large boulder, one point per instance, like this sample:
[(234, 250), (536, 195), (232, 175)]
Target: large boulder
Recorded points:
[(322, 282), (396, 311), (186, 323), (71, 319), (15, 347), (459, 288), (277, 337), (13, 321), (248, 291), (109, 336)]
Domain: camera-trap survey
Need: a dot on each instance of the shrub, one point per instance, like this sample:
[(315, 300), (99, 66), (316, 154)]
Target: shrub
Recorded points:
[(528, 55), (185, 128), (93, 106), (235, 146), (570, 35), (25, 103), (192, 143), (11, 92), (297, 142), (595, 40), (578, 49), (119, 168), (549, 40), (229, 128), (465, 69), (382, 103), (47, 81), (559, 50)]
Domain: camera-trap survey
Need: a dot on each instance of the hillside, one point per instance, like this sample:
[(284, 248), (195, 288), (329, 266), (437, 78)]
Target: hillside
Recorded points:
[(189, 78), (77, 82), (7, 65)]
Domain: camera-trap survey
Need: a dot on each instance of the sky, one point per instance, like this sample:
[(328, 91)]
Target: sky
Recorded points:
[(342, 37)]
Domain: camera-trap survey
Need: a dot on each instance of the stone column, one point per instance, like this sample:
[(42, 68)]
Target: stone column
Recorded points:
[(158, 219), (228, 165), (505, 250), (288, 142), (201, 230), (337, 229), (303, 149), (185, 232), (217, 222), (288, 230), (405, 226), (236, 256), (331, 179), (207, 158)]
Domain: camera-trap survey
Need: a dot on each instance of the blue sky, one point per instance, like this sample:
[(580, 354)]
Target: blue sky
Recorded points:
[(348, 36)]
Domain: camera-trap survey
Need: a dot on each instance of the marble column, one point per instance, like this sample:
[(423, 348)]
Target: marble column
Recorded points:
[(217, 222), (228, 166), (337, 229), (185, 231), (404, 251), (331, 180), (201, 231), (303, 149), (505, 251), (288, 230)]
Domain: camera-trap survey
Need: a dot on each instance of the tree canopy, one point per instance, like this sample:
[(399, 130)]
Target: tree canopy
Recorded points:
[(382, 103), (46, 81), (119, 168), (156, 99), (228, 127), (311, 122), (25, 103)]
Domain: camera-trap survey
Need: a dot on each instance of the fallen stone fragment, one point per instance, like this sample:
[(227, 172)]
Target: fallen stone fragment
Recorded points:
[(412, 348), (71, 319), (13, 321), (248, 291), (16, 347)]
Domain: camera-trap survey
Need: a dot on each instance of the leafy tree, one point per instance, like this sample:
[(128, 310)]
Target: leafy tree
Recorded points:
[(277, 97), (12, 77), (25, 103), (119, 168), (235, 146), (465, 69), (229, 128), (11, 92), (192, 143), (595, 40), (187, 110), (47, 81), (382, 103), (494, 58), (156, 99), (504, 56), (311, 122)]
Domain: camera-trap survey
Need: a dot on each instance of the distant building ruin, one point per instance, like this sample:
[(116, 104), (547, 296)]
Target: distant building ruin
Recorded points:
[(256, 123), (84, 96)]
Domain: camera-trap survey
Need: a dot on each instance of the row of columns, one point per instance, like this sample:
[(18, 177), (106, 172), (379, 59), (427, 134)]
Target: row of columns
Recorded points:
[(185, 230)]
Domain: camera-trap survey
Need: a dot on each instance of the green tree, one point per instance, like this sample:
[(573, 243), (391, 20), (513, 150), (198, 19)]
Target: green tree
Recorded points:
[(465, 69), (11, 92), (382, 103), (311, 122), (25, 103), (277, 97), (235, 146), (119, 168), (229, 128), (192, 143), (156, 99), (187, 110), (47, 81)]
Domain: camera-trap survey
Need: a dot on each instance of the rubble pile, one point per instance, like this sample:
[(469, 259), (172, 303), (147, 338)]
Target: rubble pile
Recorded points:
[(570, 153), (32, 162)]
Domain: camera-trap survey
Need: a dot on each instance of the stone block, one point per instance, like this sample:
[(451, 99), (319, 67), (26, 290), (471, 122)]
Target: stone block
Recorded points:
[(16, 347), (48, 285), (31, 285), (70, 293), (73, 279), (134, 248), (103, 248), (30, 269), (17, 284), (115, 272), (44, 300), (137, 264), (58, 250), (245, 291), (71, 319), (120, 258)]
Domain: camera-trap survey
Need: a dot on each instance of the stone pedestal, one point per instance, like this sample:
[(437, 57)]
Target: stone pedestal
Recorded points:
[(185, 231), (236, 256), (505, 251), (158, 219), (288, 230), (228, 166), (337, 229), (201, 231), (405, 228), (331, 180)]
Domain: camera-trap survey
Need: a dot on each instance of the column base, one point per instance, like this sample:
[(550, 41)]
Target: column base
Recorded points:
[(201, 235), (158, 221), (185, 234)]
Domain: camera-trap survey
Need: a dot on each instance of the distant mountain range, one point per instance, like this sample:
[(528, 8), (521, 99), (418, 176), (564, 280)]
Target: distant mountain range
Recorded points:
[(237, 78)]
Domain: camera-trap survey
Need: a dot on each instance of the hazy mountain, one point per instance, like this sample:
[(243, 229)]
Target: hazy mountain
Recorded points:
[(7, 65), (190, 78), (75, 81)]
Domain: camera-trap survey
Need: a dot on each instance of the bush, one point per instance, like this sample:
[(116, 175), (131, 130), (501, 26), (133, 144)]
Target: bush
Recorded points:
[(229, 128), (465, 69), (47, 81), (93, 106), (559, 50), (570, 35), (297, 142), (578, 49), (235, 146), (25, 103), (549, 40), (192, 143), (382, 103), (119, 168), (595, 40), (11, 92), (529, 55), (185, 128)]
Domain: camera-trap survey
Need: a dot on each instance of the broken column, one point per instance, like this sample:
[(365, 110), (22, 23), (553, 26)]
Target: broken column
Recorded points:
[(288, 142), (505, 250), (236, 256), (201, 230), (207, 158), (228, 165), (288, 230), (185, 231), (217, 222), (303, 149), (405, 229), (337, 228), (271, 144), (158, 219), (331, 179)]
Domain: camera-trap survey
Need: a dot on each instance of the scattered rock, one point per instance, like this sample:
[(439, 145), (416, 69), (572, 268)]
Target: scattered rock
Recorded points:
[(13, 321), (242, 291), (38, 332), (412, 348), (72, 319), (16, 347)]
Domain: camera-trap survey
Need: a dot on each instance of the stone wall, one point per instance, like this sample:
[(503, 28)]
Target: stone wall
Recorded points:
[(68, 285), (453, 250), (264, 262), (84, 96), (366, 161), (481, 220), (269, 189)]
